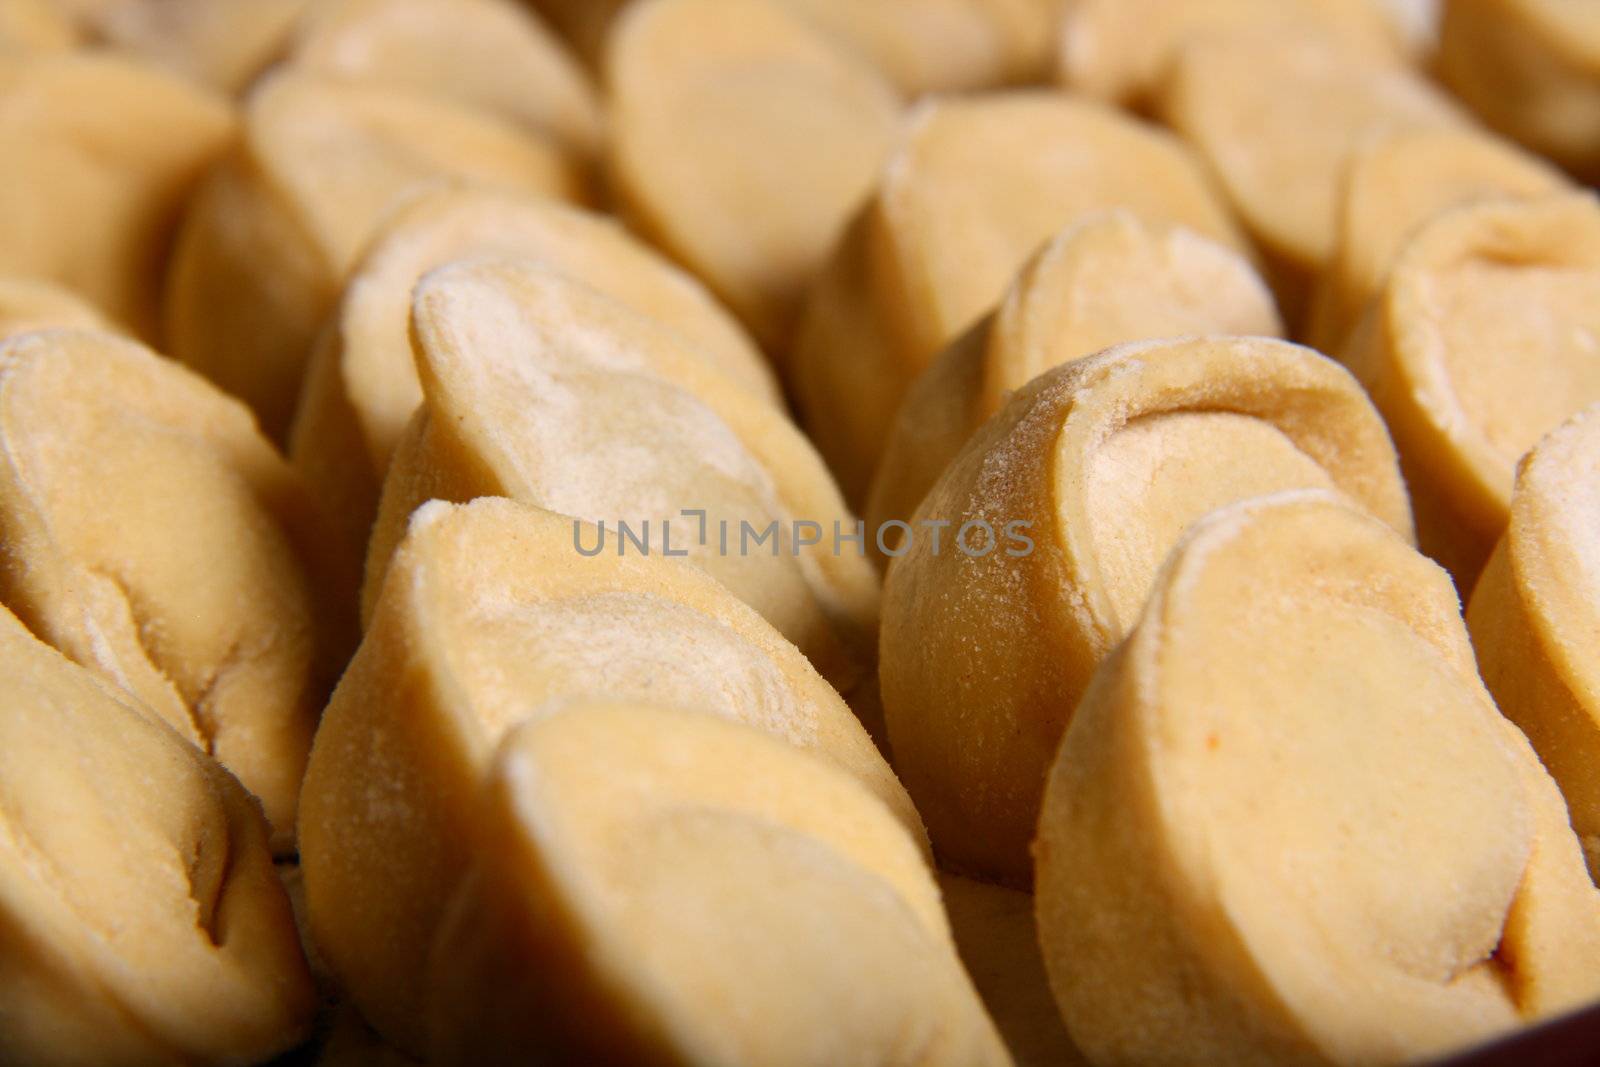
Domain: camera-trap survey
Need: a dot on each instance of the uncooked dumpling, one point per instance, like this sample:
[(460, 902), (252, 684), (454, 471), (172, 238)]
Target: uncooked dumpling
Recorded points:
[(542, 389), (220, 43), (1109, 279), (1395, 184), (362, 388), (741, 141), (1058, 514), (1486, 337), (491, 616), (485, 54), (101, 155), (153, 536), (975, 187), (1530, 69), (269, 236), (1278, 117), (1288, 826), (707, 895), (1536, 611), (1121, 50), (27, 304), (34, 26), (143, 920)]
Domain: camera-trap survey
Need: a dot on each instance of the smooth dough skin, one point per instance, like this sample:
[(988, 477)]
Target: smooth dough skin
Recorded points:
[(921, 46), (489, 617), (141, 921), (31, 26), (741, 141), (101, 155), (1110, 459), (361, 386), (269, 236), (1121, 50), (153, 536), (544, 390), (28, 305), (1336, 854), (1106, 280), (220, 43), (486, 54), (1485, 338), (974, 188), (708, 895), (1536, 613), (999, 944), (930, 46), (1530, 69), (1278, 116), (1395, 184)]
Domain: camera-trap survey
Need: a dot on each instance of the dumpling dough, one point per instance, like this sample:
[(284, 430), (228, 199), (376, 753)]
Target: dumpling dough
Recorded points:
[(361, 387), (541, 389), (975, 187), (143, 920), (485, 54), (1109, 279), (1395, 184), (1486, 337), (706, 895), (987, 648), (269, 237), (930, 46), (154, 537), (101, 155), (1531, 69), (1287, 825), (1536, 613), (220, 43), (1121, 50), (489, 617), (34, 26), (919, 45), (999, 944), (741, 141), (1278, 117), (27, 304)]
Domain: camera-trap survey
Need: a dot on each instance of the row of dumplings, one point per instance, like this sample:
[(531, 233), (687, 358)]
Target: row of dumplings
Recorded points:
[(1189, 719)]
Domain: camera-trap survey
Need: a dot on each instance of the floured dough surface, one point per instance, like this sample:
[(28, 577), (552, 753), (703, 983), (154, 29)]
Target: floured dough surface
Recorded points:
[(742, 139), (1153, 478), (1484, 311), (490, 619), (1535, 614), (545, 390), (159, 540), (1113, 278), (603, 436), (144, 920), (1395, 184), (624, 646), (711, 866), (1108, 279), (1335, 854), (1486, 338), (1106, 462)]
